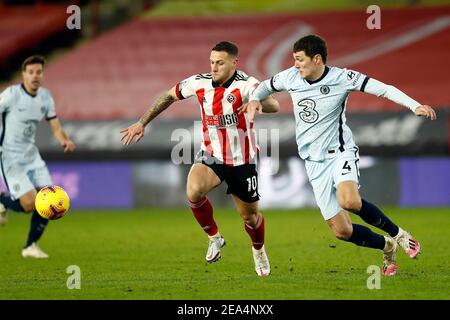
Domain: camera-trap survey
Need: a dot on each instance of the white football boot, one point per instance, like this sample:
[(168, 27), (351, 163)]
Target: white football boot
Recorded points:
[(262, 265), (3, 215), (216, 242), (33, 251), (408, 243)]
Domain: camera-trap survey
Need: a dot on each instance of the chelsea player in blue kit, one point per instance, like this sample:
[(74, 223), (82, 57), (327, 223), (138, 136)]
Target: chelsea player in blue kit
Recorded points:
[(24, 172), (319, 94)]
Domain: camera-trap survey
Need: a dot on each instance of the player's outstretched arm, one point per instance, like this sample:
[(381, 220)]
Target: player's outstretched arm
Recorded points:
[(260, 100), (61, 135), (381, 89), (137, 130)]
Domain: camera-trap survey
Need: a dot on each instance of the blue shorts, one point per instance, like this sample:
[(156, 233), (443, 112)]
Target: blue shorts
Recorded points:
[(327, 174), (19, 179)]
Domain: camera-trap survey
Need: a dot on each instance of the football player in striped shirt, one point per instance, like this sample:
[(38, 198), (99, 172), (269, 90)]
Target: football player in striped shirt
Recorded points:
[(319, 94), (228, 149), (24, 172)]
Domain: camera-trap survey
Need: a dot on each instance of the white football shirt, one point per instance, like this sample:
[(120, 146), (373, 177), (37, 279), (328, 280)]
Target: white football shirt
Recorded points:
[(20, 115), (319, 107)]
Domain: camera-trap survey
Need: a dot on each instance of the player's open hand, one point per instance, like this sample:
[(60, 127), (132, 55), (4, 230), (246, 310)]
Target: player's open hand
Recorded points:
[(68, 146), (250, 108), (134, 131), (426, 111)]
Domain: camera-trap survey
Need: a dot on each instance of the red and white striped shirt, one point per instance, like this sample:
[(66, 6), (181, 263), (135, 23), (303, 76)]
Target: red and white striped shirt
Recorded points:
[(227, 135)]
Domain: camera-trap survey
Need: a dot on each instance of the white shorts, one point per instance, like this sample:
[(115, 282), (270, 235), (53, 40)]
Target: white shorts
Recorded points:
[(326, 175), (20, 180)]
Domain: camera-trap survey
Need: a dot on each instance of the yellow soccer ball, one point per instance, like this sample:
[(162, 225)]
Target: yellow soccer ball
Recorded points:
[(52, 202)]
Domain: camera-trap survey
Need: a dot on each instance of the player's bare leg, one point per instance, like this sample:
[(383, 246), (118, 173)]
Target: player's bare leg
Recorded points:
[(37, 227), (254, 225), (201, 180), (3, 213), (27, 201), (350, 200), (343, 229)]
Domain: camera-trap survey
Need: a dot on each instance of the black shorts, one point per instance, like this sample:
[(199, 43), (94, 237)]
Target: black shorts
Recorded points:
[(242, 180)]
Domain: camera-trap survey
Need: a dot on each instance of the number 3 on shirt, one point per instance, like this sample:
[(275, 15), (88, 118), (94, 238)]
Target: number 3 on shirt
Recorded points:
[(308, 114)]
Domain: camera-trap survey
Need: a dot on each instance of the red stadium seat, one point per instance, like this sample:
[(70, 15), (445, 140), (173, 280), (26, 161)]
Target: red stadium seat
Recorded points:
[(121, 73)]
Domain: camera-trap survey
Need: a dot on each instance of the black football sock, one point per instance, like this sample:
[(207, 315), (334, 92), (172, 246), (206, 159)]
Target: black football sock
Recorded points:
[(37, 228), (375, 217), (11, 204), (364, 237)]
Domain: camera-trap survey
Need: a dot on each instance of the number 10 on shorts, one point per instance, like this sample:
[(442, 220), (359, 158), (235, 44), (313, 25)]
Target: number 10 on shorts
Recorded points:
[(252, 183)]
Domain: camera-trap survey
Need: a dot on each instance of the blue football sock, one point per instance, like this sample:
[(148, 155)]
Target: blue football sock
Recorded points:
[(364, 237), (37, 228), (11, 204), (375, 217)]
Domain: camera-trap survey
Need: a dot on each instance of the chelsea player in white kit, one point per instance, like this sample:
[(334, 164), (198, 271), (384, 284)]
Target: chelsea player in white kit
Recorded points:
[(23, 171), (319, 94)]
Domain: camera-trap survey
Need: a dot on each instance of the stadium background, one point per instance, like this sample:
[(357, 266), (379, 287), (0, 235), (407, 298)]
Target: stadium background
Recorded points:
[(105, 75)]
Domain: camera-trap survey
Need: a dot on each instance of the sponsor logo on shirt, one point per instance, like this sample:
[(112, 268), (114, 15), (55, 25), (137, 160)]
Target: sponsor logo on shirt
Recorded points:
[(222, 120), (351, 75)]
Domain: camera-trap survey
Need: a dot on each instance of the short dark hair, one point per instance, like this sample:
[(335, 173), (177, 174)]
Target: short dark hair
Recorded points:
[(228, 47), (33, 60), (312, 45)]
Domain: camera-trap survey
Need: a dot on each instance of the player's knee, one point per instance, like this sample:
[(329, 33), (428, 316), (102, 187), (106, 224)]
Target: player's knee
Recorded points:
[(343, 233), (352, 205), (195, 192), (250, 218), (28, 206)]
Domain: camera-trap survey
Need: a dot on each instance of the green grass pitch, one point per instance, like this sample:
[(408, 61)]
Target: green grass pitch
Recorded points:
[(158, 254)]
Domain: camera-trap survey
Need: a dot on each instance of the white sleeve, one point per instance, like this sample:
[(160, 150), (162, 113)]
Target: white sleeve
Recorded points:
[(381, 89), (186, 88), (6, 98), (261, 92), (250, 87), (269, 86), (354, 80), (51, 111)]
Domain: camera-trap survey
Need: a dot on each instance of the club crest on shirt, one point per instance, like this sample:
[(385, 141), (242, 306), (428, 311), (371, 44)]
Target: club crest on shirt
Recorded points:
[(231, 98), (325, 89), (43, 109)]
